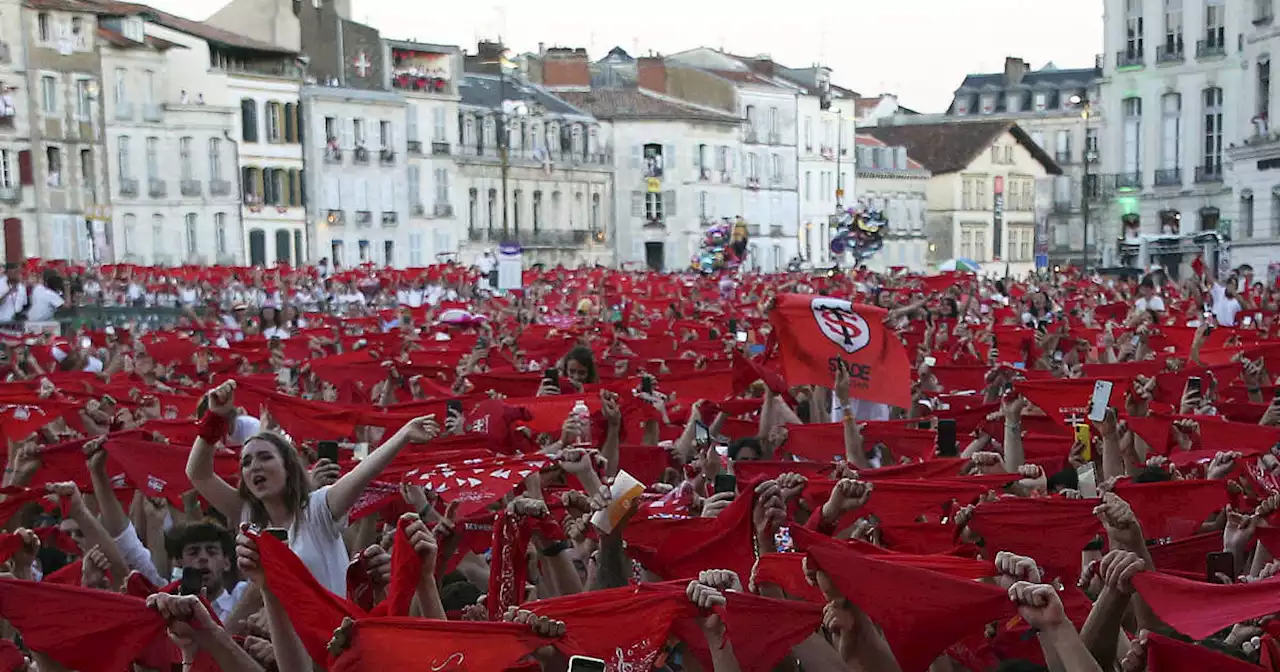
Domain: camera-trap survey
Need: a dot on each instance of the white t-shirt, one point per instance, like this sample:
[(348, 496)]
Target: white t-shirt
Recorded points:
[(316, 538), (224, 603), (13, 302), (244, 427), (1225, 311), (275, 332), (44, 303), (1154, 303)]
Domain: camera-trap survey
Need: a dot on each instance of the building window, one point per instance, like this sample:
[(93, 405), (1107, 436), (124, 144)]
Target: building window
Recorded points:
[(184, 154), (123, 156), (129, 234), (122, 87), (653, 206), (1214, 24), (1173, 27), (84, 107), (275, 132), (753, 167), (153, 158), (220, 232), (493, 207), (442, 186), (149, 87), (808, 185), (775, 173), (1264, 96), (1133, 29), (215, 159), (357, 131), (1170, 130), (1246, 213), (384, 134), (773, 122), (595, 212), (751, 118), (966, 195), (808, 133), (86, 168), (43, 27), (248, 120), (515, 209), (157, 236), (49, 95), (1132, 112), (537, 211), (1275, 211), (191, 235), (1213, 131), (53, 156), (389, 253)]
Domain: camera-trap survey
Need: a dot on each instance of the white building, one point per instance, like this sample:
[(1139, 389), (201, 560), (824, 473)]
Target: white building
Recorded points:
[(170, 165), (1172, 85), (17, 196), (550, 194), (426, 75), (892, 183), (1253, 156), (675, 167), (355, 152), (769, 162)]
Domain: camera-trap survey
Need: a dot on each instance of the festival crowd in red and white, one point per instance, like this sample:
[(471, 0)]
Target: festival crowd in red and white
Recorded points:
[(371, 469)]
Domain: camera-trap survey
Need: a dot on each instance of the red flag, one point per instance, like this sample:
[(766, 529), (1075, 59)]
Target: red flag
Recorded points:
[(817, 333)]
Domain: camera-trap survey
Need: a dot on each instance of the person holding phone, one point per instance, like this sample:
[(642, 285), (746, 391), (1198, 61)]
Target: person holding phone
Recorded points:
[(275, 491), (209, 549)]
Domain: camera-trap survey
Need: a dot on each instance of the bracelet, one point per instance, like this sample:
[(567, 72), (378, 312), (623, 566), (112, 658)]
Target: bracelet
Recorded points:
[(213, 427), (555, 549)]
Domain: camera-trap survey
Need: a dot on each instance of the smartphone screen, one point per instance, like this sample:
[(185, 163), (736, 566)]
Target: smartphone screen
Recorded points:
[(552, 376), (279, 533), (740, 337), (584, 664), (328, 450), (454, 406), (701, 434), (931, 361), (1087, 481), (1223, 563), (1101, 400), (725, 483), (192, 581), (1194, 383), (947, 438)]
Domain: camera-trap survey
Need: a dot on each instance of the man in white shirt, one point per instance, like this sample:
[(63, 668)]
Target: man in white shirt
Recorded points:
[(46, 299), (208, 548), (1225, 304), (13, 293), (1148, 299)]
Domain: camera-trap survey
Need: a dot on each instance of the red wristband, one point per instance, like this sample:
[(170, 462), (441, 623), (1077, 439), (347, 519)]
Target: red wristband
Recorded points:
[(213, 427)]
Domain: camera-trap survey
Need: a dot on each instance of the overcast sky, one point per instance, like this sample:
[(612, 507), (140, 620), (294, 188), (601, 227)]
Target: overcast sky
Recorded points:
[(919, 49)]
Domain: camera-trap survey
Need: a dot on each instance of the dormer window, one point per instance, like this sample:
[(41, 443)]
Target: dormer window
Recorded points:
[(131, 28), (988, 103), (1013, 102), (1042, 101), (962, 104)]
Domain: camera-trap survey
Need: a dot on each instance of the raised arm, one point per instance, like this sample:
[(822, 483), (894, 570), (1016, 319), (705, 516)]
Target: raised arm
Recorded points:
[(343, 494), (213, 427)]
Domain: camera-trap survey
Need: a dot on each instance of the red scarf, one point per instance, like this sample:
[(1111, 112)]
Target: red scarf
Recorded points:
[(679, 548), (1170, 655), (592, 627), (1173, 508), (1199, 609), (921, 612), (85, 630), (443, 646), (1052, 531)]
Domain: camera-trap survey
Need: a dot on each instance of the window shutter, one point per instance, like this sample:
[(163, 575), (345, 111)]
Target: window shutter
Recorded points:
[(299, 122), (302, 187), (388, 194), (260, 176), (696, 156), (669, 158), (290, 124), (362, 194), (246, 181), (333, 200), (295, 177), (348, 199), (248, 120), (669, 203), (411, 123), (637, 204), (348, 133), (25, 174), (636, 153)]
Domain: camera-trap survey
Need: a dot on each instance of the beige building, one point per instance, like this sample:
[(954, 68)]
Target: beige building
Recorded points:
[(982, 193), (894, 184)]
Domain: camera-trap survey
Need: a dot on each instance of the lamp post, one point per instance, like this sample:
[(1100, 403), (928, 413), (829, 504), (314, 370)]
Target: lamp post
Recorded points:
[(1090, 155), (839, 141)]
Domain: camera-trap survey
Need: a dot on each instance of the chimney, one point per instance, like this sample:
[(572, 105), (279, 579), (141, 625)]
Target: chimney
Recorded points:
[(651, 73), (566, 68), (1014, 69)]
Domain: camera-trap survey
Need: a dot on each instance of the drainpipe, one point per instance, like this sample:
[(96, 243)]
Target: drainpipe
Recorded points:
[(240, 190)]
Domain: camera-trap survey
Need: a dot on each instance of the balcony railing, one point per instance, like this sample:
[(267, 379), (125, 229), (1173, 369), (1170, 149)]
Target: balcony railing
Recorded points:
[(1128, 180), (655, 223), (440, 149), (1128, 59), (1063, 158), (418, 209), (442, 210), (157, 188), (1063, 207), (124, 111), (1211, 174), (775, 230), (390, 219), (152, 112), (332, 155), (1210, 49), (1168, 177), (408, 82), (387, 157), (530, 239), (362, 155), (752, 136), (1263, 14), (775, 138), (1170, 53), (191, 188), (364, 217), (8, 116), (11, 194), (336, 218), (219, 188), (414, 147), (129, 187), (753, 229)]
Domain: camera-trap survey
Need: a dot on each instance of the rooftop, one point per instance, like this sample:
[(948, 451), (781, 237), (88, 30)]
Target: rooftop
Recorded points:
[(950, 146), (489, 92), (1047, 77), (869, 141), (198, 29), (640, 104)]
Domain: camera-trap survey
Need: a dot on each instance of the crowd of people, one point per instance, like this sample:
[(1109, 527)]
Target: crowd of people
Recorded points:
[(379, 469)]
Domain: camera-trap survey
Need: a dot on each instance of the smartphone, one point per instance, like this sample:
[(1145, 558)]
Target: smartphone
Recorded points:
[(931, 361), (328, 450), (1087, 481), (192, 581), (701, 434), (646, 384), (552, 376), (278, 532), (284, 376), (725, 483), (947, 438), (1194, 384), (1085, 438), (1219, 563), (454, 406), (585, 664), (1101, 400), (1247, 322), (86, 343), (740, 337), (733, 324), (1057, 355)]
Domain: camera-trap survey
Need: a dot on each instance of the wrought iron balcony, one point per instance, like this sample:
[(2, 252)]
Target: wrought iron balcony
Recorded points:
[(157, 188), (1168, 177), (1128, 180), (219, 188), (1211, 174), (128, 187), (390, 218), (1210, 49), (191, 188), (332, 155), (414, 147), (441, 149), (364, 218), (1170, 53), (362, 155), (1128, 59)]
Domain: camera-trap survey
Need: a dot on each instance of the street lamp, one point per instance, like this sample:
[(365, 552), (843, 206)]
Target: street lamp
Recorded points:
[(839, 141), (1090, 155)]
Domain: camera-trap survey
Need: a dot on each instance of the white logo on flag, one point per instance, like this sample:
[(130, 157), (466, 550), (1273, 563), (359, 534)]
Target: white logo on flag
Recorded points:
[(840, 323)]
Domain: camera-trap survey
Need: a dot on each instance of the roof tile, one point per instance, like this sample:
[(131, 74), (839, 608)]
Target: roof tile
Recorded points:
[(950, 147), (637, 103)]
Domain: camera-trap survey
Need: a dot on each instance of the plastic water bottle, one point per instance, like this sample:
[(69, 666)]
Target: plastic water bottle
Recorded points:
[(583, 414)]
